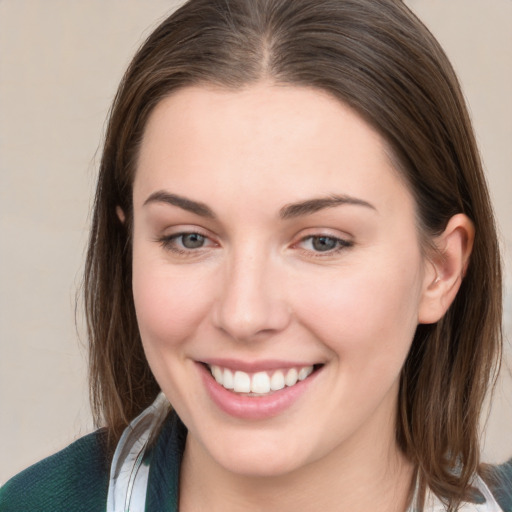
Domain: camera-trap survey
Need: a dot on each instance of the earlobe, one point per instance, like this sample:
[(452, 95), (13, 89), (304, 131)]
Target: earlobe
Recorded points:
[(120, 214), (446, 268)]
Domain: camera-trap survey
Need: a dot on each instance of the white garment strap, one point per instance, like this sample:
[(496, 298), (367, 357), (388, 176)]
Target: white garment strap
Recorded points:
[(129, 472), (433, 504), (490, 502)]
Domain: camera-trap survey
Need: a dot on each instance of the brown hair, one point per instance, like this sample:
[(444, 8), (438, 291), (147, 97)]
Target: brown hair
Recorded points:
[(377, 57)]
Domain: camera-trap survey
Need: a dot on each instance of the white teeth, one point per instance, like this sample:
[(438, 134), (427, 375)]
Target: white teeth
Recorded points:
[(259, 383), (228, 381), (217, 374), (277, 381), (291, 377), (305, 372), (242, 382)]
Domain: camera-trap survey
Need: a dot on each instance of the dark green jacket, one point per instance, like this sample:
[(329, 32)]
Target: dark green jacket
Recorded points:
[(76, 479)]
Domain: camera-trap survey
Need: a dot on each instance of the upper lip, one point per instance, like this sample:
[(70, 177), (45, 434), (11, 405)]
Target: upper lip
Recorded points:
[(256, 366)]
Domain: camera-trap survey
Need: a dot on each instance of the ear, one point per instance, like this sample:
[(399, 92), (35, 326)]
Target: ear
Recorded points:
[(446, 268), (120, 214)]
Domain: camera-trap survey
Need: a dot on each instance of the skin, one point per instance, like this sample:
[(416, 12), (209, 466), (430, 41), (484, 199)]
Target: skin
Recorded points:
[(258, 288)]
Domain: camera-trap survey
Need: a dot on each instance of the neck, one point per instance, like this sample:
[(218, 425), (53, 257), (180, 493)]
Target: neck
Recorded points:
[(356, 477)]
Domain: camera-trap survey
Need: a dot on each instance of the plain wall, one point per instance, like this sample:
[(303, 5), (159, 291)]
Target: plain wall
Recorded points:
[(60, 63)]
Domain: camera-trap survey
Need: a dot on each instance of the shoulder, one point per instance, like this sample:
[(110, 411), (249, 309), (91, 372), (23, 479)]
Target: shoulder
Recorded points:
[(499, 481), (75, 478)]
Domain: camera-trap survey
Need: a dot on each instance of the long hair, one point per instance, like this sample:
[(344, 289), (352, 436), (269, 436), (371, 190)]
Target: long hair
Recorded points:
[(378, 58)]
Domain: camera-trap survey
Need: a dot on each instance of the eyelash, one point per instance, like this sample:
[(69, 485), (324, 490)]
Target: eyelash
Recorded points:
[(340, 245), (169, 243)]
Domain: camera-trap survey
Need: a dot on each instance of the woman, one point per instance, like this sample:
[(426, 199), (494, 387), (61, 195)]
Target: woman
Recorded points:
[(293, 241)]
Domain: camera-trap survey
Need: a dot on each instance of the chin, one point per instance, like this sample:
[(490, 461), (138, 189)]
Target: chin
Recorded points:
[(260, 465), (253, 456)]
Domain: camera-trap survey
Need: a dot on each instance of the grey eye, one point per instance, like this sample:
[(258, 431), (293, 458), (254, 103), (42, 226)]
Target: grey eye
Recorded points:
[(192, 240), (323, 243)]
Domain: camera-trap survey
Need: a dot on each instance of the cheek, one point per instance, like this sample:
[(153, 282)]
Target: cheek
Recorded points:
[(366, 315), (169, 302)]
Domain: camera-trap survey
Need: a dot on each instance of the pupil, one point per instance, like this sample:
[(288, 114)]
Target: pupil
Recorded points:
[(324, 243), (192, 241)]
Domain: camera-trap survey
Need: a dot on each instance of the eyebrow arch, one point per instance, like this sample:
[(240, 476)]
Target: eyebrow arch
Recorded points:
[(162, 196), (310, 206)]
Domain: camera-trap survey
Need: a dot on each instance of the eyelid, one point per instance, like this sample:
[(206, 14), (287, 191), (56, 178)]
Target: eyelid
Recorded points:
[(167, 240), (185, 229), (343, 242), (326, 232)]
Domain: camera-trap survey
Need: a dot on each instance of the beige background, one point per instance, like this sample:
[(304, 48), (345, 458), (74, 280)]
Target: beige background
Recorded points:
[(60, 62)]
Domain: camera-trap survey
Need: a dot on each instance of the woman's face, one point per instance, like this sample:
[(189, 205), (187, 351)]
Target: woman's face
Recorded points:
[(274, 242)]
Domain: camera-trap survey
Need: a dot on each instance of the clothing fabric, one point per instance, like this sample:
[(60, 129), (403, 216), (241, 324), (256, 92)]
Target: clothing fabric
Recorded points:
[(75, 479), (144, 474)]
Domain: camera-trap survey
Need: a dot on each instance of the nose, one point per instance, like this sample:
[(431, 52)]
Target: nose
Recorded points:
[(251, 303)]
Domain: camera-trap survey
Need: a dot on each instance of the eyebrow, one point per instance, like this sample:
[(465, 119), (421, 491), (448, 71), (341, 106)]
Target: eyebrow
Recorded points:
[(182, 202), (288, 211), (310, 206)]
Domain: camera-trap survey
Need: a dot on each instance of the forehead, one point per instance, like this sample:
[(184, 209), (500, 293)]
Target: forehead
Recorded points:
[(299, 139)]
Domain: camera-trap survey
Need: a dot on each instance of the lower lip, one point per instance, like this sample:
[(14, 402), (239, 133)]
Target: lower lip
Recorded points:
[(253, 408)]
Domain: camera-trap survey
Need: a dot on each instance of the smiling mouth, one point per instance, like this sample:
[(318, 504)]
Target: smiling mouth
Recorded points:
[(261, 383)]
